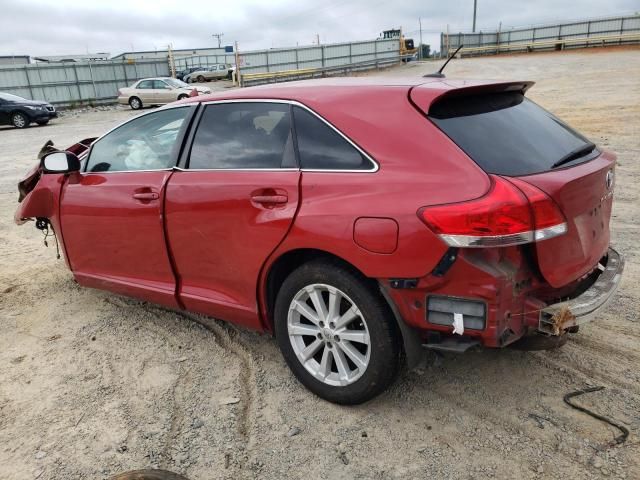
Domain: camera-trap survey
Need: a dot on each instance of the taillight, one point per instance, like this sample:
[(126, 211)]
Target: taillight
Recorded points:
[(119, 92), (511, 213)]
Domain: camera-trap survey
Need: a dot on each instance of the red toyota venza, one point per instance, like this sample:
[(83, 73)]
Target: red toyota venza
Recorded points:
[(360, 221)]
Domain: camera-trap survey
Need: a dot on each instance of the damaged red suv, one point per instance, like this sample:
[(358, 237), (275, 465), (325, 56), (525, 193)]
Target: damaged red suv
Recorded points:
[(359, 220)]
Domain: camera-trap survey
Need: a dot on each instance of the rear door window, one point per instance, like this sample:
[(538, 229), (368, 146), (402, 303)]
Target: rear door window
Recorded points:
[(145, 84), (508, 134), (322, 148), (243, 135)]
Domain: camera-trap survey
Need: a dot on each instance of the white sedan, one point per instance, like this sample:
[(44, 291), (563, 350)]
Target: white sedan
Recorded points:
[(157, 91)]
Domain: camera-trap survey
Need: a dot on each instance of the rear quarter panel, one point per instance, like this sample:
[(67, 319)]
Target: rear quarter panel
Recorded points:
[(418, 166)]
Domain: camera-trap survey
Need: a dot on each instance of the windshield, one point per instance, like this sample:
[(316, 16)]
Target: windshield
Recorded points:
[(176, 83), (11, 98), (508, 134)]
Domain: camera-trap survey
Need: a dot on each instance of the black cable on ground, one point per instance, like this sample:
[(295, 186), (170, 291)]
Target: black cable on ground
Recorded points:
[(625, 432)]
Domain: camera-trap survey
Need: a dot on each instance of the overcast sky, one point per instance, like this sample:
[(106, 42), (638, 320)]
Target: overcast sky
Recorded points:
[(42, 27)]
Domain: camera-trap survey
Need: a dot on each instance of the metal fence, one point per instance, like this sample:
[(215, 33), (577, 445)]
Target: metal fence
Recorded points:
[(76, 83), (69, 84), (301, 58), (591, 32)]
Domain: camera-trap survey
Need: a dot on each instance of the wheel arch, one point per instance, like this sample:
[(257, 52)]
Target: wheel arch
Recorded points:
[(278, 270), (21, 112)]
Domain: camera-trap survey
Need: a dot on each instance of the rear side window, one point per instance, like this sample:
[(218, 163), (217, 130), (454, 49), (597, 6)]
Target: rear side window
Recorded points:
[(322, 148), (146, 84), (506, 133), (243, 135)]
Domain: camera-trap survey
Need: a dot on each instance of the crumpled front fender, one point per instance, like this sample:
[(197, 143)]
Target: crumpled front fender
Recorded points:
[(42, 201)]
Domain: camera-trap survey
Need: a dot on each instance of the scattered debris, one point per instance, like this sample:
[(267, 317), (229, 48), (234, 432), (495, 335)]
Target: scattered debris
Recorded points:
[(293, 432), (343, 458), (19, 359), (625, 432), (148, 475), (539, 419), (197, 423), (561, 319), (40, 454), (229, 401)]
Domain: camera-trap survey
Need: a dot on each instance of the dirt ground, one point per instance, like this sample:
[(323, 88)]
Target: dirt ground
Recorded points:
[(93, 384)]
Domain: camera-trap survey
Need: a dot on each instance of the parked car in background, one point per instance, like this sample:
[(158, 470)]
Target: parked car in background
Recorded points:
[(213, 72), (468, 216), (180, 75), (20, 112), (157, 91)]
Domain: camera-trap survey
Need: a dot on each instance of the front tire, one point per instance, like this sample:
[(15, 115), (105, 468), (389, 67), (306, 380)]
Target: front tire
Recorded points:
[(20, 120), (200, 79), (42, 123), (135, 103), (336, 334), (182, 96)]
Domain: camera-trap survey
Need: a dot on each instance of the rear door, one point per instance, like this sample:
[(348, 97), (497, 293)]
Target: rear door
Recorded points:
[(231, 206), (112, 213)]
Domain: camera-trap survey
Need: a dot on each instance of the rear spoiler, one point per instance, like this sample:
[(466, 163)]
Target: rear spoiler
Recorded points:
[(424, 97)]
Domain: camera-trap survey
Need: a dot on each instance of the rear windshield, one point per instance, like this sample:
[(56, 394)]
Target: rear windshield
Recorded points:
[(508, 134)]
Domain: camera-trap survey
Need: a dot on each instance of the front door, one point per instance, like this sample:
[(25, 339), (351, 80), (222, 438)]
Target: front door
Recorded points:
[(232, 206), (145, 91), (112, 212), (163, 93)]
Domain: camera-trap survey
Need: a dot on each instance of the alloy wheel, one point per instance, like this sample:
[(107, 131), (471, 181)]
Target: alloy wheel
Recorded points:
[(19, 120), (329, 334)]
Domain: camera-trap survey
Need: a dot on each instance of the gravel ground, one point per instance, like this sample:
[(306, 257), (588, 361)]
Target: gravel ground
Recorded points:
[(93, 384)]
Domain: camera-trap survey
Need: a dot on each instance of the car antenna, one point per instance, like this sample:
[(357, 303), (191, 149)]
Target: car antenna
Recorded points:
[(439, 73)]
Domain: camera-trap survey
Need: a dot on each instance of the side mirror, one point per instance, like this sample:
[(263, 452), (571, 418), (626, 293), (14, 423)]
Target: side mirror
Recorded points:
[(60, 162)]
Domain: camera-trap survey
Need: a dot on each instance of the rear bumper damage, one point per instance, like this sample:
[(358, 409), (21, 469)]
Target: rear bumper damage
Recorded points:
[(498, 301), (555, 319)]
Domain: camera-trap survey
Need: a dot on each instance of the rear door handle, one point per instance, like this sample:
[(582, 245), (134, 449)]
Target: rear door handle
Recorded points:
[(146, 196), (273, 199)]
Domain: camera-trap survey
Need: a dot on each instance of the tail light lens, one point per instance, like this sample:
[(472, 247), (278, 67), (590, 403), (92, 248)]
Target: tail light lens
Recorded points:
[(512, 213), (119, 92)]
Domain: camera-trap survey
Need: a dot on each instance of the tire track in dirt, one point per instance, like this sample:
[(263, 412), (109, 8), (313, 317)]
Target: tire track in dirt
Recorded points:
[(227, 337), (177, 417), (585, 374)]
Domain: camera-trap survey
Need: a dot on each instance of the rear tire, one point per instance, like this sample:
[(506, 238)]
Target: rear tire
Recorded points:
[(20, 120), (135, 103), (353, 350), (182, 96)]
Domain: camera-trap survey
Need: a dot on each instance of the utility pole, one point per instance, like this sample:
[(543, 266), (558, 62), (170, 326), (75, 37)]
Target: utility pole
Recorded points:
[(420, 51), (220, 35), (475, 8), (238, 79), (317, 39)]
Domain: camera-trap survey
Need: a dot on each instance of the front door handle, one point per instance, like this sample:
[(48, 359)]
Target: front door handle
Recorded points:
[(272, 199), (146, 196)]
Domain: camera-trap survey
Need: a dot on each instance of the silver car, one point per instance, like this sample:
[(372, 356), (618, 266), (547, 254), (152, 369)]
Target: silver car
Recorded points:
[(212, 72), (157, 91)]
